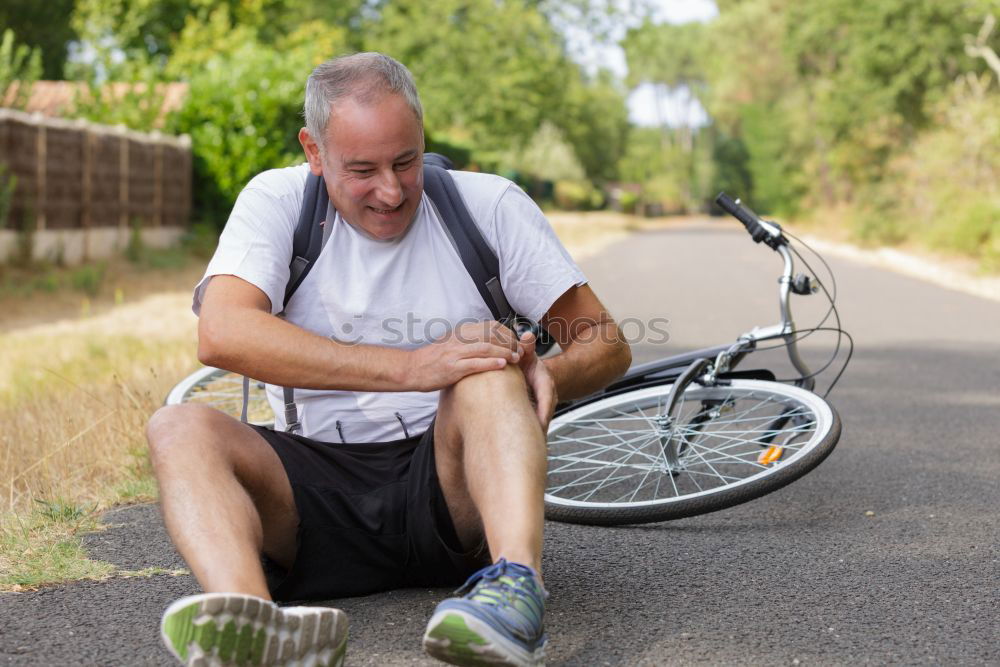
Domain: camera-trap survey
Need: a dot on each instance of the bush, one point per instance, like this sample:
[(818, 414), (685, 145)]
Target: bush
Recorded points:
[(577, 196), (243, 112), (662, 195), (627, 201), (942, 192)]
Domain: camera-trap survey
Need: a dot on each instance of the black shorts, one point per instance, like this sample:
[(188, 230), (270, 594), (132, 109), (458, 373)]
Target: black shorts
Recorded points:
[(372, 517)]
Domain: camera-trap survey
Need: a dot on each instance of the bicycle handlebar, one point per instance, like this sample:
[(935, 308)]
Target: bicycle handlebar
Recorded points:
[(767, 232)]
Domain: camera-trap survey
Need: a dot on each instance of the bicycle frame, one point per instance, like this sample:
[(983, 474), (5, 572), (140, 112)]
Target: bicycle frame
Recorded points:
[(719, 361)]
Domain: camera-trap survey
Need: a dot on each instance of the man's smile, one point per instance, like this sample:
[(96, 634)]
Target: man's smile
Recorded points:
[(386, 211)]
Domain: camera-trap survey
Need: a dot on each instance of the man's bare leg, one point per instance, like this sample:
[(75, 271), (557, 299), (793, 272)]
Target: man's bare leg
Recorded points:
[(225, 497), (490, 453)]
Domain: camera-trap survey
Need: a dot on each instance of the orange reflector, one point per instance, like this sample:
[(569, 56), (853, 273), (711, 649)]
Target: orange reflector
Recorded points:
[(770, 455)]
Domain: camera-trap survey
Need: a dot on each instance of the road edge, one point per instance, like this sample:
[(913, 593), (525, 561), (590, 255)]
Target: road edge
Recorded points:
[(912, 266)]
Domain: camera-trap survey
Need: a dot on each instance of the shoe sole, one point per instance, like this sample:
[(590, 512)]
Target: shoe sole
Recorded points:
[(459, 638), (215, 630)]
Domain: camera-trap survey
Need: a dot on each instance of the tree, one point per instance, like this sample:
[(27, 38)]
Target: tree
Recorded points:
[(873, 71), (153, 27), (489, 73), (243, 109), (669, 57), (594, 120), (42, 25)]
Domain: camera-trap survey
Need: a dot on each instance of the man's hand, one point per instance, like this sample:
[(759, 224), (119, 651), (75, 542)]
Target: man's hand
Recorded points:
[(471, 348), (540, 384)]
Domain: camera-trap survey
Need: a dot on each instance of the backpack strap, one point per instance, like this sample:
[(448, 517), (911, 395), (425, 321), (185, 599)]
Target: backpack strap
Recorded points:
[(311, 232), (477, 256)]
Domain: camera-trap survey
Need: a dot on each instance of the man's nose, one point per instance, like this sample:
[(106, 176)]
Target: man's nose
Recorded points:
[(389, 190)]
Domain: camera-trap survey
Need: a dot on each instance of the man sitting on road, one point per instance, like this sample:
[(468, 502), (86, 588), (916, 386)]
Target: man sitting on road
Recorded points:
[(421, 459)]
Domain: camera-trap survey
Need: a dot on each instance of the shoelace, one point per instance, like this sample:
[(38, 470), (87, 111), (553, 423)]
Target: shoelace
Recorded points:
[(516, 583)]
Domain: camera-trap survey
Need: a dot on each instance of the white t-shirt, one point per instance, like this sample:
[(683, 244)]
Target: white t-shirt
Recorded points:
[(402, 293)]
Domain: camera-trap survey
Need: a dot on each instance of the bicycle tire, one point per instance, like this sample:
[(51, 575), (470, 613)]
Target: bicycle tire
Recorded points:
[(723, 431), (223, 390)]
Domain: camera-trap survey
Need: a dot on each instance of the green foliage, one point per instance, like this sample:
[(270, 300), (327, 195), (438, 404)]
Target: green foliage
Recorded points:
[(123, 82), (490, 75), (675, 168), (43, 26), (666, 53), (45, 546), (774, 167), (577, 196), (628, 201), (20, 67), (975, 228), (664, 194), (243, 108), (154, 27), (674, 178), (594, 120), (459, 152), (944, 190), (60, 510), (849, 103), (732, 171), (135, 248), (200, 240), (88, 278), (547, 156), (488, 72), (26, 228)]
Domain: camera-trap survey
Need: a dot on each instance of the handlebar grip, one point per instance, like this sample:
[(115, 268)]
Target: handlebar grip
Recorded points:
[(749, 220), (729, 205)]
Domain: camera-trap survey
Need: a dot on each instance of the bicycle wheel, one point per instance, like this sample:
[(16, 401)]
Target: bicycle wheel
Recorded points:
[(223, 390), (607, 463)]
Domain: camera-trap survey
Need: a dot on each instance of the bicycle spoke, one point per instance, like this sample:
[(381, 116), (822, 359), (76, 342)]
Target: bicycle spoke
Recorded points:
[(613, 455), (610, 464), (601, 486)]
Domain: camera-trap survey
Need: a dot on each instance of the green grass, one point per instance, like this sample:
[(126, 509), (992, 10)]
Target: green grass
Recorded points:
[(46, 547)]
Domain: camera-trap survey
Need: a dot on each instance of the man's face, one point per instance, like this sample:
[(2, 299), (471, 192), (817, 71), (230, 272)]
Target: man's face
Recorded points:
[(372, 164)]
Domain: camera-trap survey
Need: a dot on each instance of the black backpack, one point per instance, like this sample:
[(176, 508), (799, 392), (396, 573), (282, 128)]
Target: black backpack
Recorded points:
[(477, 256)]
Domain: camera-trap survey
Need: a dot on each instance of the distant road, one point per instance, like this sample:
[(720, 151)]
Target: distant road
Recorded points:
[(887, 553)]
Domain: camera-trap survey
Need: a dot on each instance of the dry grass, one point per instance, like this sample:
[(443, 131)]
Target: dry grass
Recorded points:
[(75, 396)]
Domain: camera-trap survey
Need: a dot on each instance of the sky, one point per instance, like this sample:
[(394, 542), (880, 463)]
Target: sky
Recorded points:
[(642, 102)]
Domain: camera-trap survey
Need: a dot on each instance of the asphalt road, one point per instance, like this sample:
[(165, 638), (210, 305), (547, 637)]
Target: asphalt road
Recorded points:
[(887, 553)]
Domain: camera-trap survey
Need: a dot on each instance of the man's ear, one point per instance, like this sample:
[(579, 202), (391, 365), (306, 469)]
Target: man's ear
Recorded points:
[(311, 149)]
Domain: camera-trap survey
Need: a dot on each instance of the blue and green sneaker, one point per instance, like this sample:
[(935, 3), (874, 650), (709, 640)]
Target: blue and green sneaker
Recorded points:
[(234, 629), (498, 620)]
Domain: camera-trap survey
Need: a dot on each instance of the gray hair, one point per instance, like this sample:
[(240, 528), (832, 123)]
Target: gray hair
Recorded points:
[(362, 76)]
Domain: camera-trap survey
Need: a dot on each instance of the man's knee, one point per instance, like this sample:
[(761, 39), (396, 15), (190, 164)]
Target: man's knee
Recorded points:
[(488, 386), (181, 431), (473, 400)]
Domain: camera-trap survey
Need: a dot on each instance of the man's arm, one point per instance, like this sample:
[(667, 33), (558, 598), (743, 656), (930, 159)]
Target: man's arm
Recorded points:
[(594, 352), (237, 331)]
